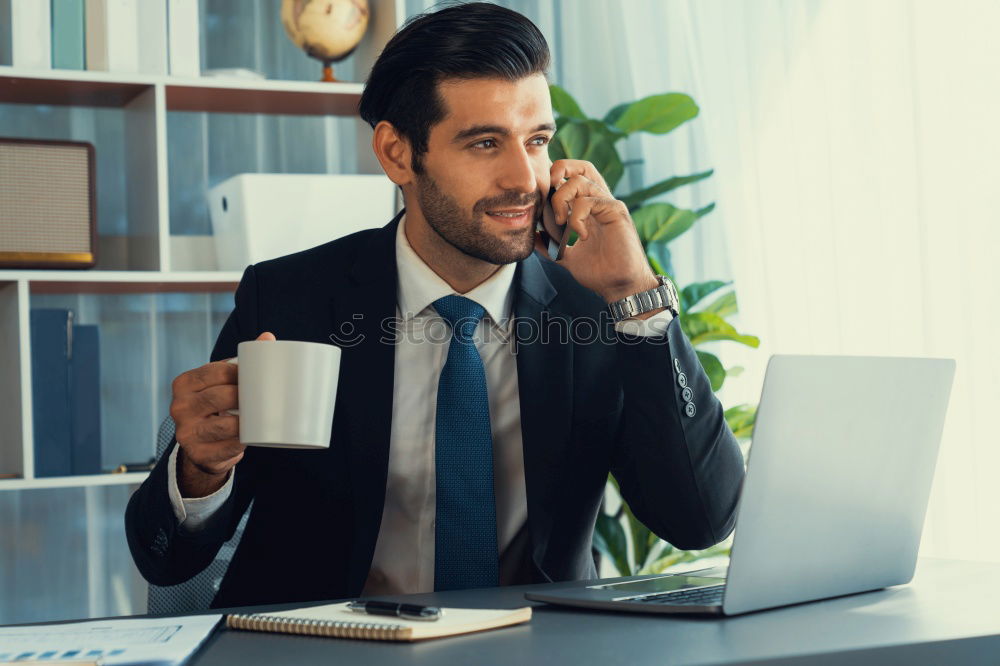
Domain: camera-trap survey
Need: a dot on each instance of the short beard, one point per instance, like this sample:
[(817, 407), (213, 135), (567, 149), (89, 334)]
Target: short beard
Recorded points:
[(446, 217)]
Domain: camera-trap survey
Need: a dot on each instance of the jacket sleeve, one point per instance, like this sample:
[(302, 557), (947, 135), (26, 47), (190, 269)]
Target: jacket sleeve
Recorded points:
[(164, 552), (676, 461)]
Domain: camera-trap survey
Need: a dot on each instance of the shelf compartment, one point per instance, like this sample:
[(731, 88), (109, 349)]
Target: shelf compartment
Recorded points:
[(213, 95), (145, 339), (267, 97), (179, 278), (127, 166), (64, 88), (145, 287)]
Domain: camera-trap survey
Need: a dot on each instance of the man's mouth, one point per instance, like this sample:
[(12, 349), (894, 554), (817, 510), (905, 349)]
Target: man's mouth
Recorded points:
[(512, 216)]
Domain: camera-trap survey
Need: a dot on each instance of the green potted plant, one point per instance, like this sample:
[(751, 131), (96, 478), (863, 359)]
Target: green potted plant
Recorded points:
[(704, 306)]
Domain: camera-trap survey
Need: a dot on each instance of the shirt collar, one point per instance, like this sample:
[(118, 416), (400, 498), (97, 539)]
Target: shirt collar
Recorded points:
[(419, 286)]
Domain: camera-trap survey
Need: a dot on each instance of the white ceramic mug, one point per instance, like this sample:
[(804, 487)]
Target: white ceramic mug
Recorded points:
[(287, 390)]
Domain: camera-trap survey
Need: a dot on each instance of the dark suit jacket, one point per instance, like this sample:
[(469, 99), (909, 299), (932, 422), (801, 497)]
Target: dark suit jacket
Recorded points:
[(587, 407)]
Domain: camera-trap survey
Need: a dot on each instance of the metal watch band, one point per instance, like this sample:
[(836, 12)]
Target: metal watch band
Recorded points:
[(663, 296)]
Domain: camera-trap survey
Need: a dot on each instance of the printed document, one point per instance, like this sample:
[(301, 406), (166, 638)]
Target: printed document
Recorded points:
[(166, 641)]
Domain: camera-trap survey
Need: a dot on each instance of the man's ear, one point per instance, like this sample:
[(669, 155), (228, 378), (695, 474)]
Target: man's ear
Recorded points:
[(393, 153)]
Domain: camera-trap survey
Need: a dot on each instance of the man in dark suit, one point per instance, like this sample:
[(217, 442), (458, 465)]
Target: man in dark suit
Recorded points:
[(481, 461)]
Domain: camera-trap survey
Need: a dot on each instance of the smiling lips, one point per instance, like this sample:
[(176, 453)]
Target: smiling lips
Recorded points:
[(512, 216)]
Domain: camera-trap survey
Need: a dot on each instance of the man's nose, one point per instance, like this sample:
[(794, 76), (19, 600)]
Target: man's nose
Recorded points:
[(518, 171)]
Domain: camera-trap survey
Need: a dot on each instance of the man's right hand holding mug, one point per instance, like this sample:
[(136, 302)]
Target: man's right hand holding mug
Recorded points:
[(208, 436)]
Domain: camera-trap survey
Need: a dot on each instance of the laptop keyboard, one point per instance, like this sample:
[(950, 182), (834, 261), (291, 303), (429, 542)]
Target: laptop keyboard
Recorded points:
[(698, 596)]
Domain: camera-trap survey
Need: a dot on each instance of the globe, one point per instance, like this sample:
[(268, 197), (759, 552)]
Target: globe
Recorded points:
[(328, 30)]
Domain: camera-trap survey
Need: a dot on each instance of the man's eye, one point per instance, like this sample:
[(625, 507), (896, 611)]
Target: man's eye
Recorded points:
[(538, 141)]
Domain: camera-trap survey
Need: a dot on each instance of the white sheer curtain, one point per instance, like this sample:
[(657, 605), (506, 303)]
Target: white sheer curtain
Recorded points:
[(856, 144)]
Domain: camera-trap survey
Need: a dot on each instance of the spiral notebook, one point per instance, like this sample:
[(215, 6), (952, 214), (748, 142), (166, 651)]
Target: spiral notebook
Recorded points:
[(337, 621)]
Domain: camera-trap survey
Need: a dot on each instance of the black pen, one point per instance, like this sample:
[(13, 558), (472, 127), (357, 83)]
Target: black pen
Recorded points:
[(408, 611)]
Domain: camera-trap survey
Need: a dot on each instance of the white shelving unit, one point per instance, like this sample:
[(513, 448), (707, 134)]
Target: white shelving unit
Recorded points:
[(141, 261)]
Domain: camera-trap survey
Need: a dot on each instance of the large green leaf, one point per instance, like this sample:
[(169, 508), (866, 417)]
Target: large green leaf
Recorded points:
[(707, 327), (602, 154), (663, 264), (657, 114), (659, 551), (741, 419), (612, 116), (655, 264), (673, 557), (662, 187), (662, 222), (564, 104), (610, 541), (557, 149), (713, 368), (589, 140), (643, 539), (692, 294), (702, 212), (724, 305), (570, 141)]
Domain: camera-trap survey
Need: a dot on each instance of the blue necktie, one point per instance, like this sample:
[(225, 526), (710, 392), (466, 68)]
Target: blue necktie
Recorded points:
[(465, 533)]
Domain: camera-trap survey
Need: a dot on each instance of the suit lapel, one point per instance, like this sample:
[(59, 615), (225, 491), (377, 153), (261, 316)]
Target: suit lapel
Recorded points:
[(545, 384), (367, 374)]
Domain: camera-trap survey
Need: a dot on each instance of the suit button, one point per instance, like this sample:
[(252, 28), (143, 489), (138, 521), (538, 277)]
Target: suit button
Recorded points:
[(690, 409), (677, 365), (682, 380), (687, 394)]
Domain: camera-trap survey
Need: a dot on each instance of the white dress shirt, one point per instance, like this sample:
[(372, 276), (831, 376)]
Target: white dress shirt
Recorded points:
[(410, 499)]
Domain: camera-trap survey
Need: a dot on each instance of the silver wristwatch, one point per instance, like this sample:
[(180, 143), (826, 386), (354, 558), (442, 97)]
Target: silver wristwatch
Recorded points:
[(663, 296)]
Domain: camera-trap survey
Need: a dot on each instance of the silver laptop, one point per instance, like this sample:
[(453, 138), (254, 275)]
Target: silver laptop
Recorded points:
[(835, 494)]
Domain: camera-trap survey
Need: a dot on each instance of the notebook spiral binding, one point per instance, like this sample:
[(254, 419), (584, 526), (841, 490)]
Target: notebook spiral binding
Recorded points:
[(326, 628)]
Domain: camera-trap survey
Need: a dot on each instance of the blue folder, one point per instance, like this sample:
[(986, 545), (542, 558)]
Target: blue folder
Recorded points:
[(85, 401), (51, 332), (66, 394)]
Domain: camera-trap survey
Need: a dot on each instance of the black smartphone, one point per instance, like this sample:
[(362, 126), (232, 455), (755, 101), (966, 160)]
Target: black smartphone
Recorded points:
[(553, 235)]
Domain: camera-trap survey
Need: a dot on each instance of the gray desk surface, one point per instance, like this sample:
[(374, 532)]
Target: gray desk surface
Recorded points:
[(947, 615)]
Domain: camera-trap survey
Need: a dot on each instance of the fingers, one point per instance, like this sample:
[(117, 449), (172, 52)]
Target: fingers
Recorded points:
[(209, 401), (210, 374), (212, 444), (602, 209), (564, 198), (567, 169), (211, 430), (217, 429), (201, 399)]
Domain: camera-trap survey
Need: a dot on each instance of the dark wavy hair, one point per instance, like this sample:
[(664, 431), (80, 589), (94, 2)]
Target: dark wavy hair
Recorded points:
[(461, 41)]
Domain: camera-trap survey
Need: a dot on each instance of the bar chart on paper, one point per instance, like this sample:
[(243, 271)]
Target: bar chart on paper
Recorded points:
[(164, 640)]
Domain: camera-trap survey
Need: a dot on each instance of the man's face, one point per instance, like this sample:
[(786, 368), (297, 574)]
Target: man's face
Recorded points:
[(489, 156)]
